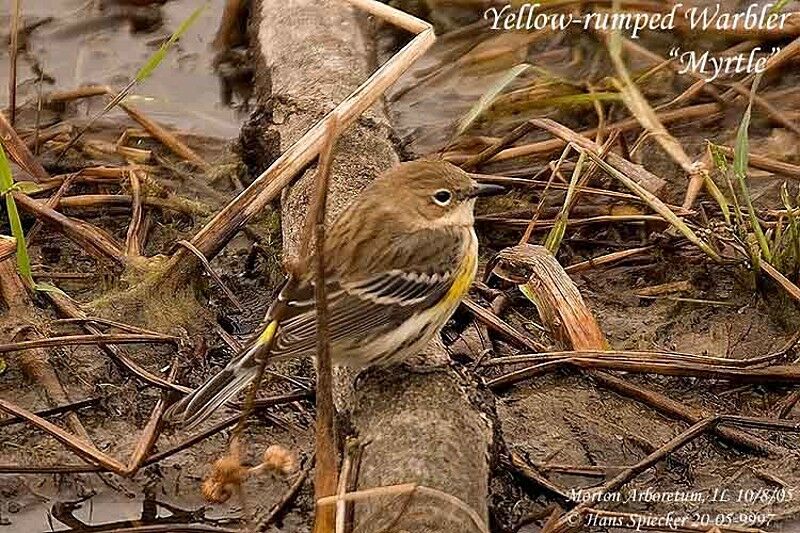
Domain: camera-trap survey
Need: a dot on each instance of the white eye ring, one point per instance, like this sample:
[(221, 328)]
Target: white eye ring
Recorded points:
[(442, 197)]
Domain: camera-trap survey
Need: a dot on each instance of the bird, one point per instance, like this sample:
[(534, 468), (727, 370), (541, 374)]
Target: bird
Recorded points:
[(398, 261)]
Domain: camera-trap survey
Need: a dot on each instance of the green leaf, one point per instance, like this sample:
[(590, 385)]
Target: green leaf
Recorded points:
[(23, 261), (27, 187), (556, 233), (47, 287), (6, 180), (740, 163), (722, 165), (489, 96), (778, 7), (6, 187), (714, 191), (794, 228), (2, 366), (155, 60)]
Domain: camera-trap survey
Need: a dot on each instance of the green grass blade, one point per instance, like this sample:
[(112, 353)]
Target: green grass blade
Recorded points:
[(778, 7), (716, 193), (556, 234), (722, 166), (49, 287), (488, 97), (777, 238), (23, 261), (793, 233), (6, 179), (144, 72), (6, 188), (155, 60), (740, 164)]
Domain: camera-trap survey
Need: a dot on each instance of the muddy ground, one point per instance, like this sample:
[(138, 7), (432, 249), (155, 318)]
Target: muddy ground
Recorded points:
[(562, 418)]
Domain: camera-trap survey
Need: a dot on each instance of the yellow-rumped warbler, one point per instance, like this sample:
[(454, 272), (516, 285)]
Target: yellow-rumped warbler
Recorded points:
[(399, 259)]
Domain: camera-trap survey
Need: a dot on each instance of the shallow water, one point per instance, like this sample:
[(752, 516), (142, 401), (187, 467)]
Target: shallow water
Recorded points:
[(80, 42), (107, 512)]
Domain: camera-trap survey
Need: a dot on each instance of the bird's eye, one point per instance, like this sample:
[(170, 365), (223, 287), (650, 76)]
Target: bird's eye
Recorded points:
[(442, 197)]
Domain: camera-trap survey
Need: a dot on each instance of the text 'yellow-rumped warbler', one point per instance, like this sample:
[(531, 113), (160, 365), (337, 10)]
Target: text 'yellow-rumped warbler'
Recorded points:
[(399, 259)]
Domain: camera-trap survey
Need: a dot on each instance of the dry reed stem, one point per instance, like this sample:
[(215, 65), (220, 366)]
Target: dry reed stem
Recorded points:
[(341, 489), (67, 307), (69, 95), (76, 445), (96, 241), (780, 279), (134, 238), (213, 237), (490, 151), (326, 471), (39, 137), (779, 374), (654, 356), (573, 222), (151, 430), (653, 399), (19, 153), (99, 149), (523, 467), (13, 50), (533, 183), (211, 272), (35, 362), (608, 259), (640, 108), (165, 137), (679, 411), (8, 247), (177, 204), (643, 177), (559, 301), (766, 163), (545, 148), (52, 203), (53, 411), (87, 340), (406, 489), (568, 522), (498, 325), (531, 224)]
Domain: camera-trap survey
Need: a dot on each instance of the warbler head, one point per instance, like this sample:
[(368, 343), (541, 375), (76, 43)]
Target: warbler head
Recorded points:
[(427, 193)]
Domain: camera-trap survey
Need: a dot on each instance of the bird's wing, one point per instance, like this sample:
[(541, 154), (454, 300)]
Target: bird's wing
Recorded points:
[(356, 308)]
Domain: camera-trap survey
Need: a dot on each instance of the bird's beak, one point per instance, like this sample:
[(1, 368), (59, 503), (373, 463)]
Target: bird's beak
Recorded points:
[(486, 189)]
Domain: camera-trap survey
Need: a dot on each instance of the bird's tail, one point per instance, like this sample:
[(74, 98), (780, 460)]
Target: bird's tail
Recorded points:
[(240, 372)]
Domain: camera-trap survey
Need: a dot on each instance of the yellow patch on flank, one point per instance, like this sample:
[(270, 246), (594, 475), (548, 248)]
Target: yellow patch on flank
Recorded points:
[(462, 282), (268, 333)]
